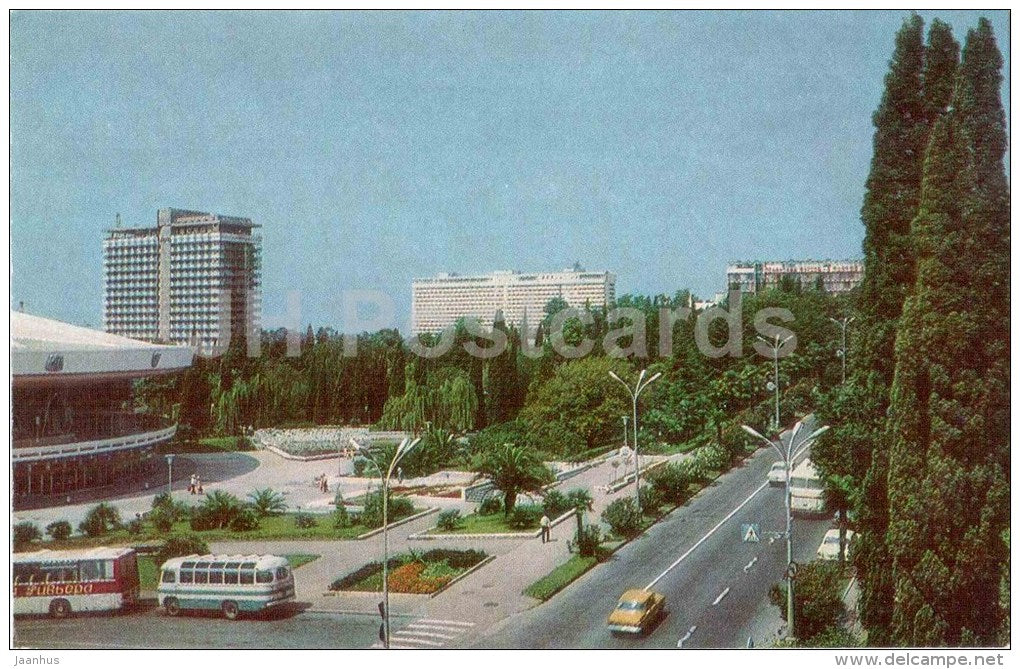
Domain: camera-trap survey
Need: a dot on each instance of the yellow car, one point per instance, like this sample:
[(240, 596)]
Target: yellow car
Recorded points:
[(637, 611)]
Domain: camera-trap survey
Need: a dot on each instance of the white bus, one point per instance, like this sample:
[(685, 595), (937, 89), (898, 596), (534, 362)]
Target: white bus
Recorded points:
[(62, 582), (229, 583), (807, 491)]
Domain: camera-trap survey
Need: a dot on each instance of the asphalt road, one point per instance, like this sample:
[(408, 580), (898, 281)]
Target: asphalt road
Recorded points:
[(712, 593), (149, 627)]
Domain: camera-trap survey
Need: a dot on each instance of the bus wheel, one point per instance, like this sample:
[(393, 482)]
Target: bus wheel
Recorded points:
[(173, 608), (229, 610), (60, 608)]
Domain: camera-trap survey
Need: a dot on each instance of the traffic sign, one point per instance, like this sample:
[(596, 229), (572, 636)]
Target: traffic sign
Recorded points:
[(791, 571), (750, 532)]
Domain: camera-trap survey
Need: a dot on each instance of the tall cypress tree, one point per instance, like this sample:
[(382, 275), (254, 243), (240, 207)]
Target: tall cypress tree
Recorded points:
[(917, 88), (948, 421)]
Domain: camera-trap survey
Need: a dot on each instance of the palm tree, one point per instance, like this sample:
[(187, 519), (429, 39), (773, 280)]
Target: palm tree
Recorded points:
[(839, 493), (221, 508), (267, 502), (513, 469)]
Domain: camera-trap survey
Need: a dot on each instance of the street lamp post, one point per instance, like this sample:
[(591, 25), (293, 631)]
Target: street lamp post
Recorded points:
[(842, 348), (775, 345), (634, 393), (624, 431), (403, 449), (170, 475), (788, 456)]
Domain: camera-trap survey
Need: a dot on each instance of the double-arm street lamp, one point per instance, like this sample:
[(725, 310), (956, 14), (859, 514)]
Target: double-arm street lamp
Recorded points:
[(634, 393), (792, 450), (775, 345), (842, 348), (170, 475), (403, 449)]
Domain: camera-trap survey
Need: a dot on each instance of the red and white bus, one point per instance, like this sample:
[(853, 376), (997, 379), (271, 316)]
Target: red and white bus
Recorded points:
[(62, 582)]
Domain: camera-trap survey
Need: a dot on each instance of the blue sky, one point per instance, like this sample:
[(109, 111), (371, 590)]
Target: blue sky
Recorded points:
[(374, 148)]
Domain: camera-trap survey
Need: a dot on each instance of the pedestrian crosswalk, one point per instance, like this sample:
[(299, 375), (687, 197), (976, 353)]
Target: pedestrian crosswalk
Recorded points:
[(426, 633)]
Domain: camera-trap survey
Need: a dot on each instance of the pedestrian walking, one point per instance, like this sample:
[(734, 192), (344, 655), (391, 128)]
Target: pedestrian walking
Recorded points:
[(198, 481), (545, 523), (191, 484)]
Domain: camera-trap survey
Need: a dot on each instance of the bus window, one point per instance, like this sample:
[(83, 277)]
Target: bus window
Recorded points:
[(281, 573), (247, 577), (216, 565), (201, 576), (91, 570), (264, 576), (169, 576), (216, 575), (187, 576), (247, 565), (188, 564), (230, 576)]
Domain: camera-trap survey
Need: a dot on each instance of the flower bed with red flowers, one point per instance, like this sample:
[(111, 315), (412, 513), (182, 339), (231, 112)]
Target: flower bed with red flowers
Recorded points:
[(412, 573)]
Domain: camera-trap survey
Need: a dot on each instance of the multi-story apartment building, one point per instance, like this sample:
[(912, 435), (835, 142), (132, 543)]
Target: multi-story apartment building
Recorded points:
[(438, 302), (193, 278), (835, 276)]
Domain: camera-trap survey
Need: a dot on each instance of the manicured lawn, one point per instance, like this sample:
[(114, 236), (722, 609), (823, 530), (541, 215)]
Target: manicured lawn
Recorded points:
[(148, 572), (560, 577), (272, 527), (298, 559), (476, 524)]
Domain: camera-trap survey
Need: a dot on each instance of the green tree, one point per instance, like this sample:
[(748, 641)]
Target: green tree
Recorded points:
[(513, 469), (948, 419), (817, 599), (100, 519), (582, 400)]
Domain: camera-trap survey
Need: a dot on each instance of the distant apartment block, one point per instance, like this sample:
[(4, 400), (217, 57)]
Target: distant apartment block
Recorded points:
[(193, 278), (836, 276), (438, 302)]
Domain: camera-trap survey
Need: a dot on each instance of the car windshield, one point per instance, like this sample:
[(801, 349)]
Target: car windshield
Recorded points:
[(832, 540), (630, 606)]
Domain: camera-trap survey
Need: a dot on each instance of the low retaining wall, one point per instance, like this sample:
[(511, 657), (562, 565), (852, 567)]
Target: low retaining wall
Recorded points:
[(398, 523), (425, 536)]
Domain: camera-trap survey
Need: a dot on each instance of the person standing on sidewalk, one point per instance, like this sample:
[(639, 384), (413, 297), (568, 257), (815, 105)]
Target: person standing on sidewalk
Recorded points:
[(545, 523)]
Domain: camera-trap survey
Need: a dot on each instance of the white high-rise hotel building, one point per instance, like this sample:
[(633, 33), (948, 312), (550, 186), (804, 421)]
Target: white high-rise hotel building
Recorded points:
[(193, 278), (438, 302)]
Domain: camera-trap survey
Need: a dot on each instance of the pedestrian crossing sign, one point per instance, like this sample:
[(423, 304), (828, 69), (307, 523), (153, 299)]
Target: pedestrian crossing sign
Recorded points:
[(750, 532)]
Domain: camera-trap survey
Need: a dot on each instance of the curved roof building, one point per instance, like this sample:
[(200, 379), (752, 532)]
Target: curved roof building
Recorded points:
[(75, 420)]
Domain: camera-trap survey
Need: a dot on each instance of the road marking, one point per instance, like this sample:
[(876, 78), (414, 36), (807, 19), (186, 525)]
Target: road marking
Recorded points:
[(455, 623), (680, 643), (721, 595), (710, 533), (428, 634), (751, 563), (434, 644)]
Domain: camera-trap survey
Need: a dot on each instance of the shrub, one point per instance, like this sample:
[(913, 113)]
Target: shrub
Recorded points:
[(162, 519), (181, 544), (671, 482), (220, 508), (817, 601), (267, 502), (341, 518), (490, 506), (651, 500), (449, 520), (201, 520), (305, 520), (101, 519), (25, 533), (360, 464), (623, 517), (162, 499), (458, 559), (135, 526), (555, 503), (247, 520), (524, 516), (588, 540), (398, 507), (59, 530)]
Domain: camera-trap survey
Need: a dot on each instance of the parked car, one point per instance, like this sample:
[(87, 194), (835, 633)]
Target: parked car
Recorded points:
[(637, 611), (777, 475), (829, 548)]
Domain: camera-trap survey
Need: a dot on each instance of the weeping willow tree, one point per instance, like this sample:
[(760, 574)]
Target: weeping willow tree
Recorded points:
[(447, 399)]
